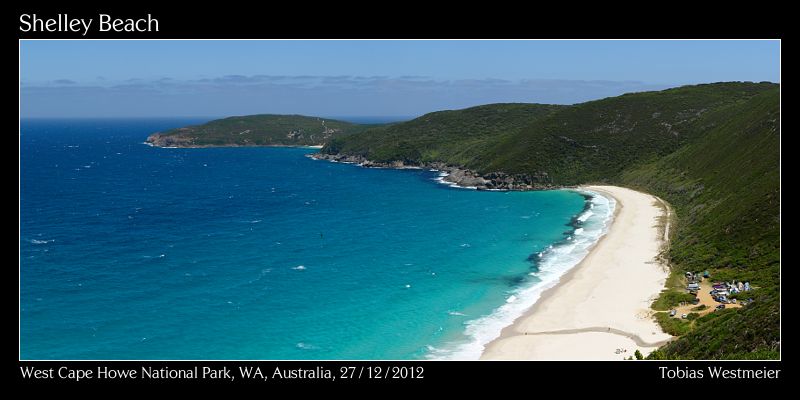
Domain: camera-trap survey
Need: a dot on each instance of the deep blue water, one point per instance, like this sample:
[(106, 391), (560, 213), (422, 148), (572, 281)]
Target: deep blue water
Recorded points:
[(134, 252)]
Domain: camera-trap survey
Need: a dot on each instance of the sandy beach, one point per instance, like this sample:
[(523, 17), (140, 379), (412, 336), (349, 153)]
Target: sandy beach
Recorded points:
[(600, 310)]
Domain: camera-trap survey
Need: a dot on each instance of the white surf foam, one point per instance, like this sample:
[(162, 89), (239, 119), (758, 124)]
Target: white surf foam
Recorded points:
[(456, 314), (305, 346), (586, 215)]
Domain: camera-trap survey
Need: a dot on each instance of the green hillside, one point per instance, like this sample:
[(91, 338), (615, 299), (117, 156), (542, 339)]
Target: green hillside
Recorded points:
[(725, 188), (710, 150), (257, 130), (598, 140), (455, 137)]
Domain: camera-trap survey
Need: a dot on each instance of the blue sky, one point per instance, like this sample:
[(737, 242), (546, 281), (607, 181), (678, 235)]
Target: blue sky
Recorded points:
[(83, 78)]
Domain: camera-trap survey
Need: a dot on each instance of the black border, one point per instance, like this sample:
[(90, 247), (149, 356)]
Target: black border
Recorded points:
[(413, 21), (614, 375), (409, 21)]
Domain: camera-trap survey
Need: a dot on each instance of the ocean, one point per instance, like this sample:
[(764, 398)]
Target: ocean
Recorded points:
[(134, 252)]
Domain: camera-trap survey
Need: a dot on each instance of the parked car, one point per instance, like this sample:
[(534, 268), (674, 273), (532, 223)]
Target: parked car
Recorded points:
[(684, 316), (720, 307), (672, 313), (696, 301)]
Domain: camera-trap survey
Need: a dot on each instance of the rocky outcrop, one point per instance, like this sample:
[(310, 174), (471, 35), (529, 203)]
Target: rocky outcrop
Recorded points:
[(467, 178), (160, 140), (537, 181), (456, 175)]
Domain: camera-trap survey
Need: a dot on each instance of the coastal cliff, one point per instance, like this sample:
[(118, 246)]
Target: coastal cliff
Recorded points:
[(164, 140)]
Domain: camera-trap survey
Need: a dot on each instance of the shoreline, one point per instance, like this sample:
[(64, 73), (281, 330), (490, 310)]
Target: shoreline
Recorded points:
[(213, 146), (455, 176), (591, 313)]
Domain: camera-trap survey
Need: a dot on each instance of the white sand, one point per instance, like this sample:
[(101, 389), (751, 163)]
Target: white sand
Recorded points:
[(600, 310)]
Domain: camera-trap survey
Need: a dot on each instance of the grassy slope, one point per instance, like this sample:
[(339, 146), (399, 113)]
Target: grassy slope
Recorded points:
[(265, 129), (710, 150)]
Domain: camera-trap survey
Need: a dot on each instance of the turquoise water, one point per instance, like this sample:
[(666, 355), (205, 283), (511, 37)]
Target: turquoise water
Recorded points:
[(134, 252)]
